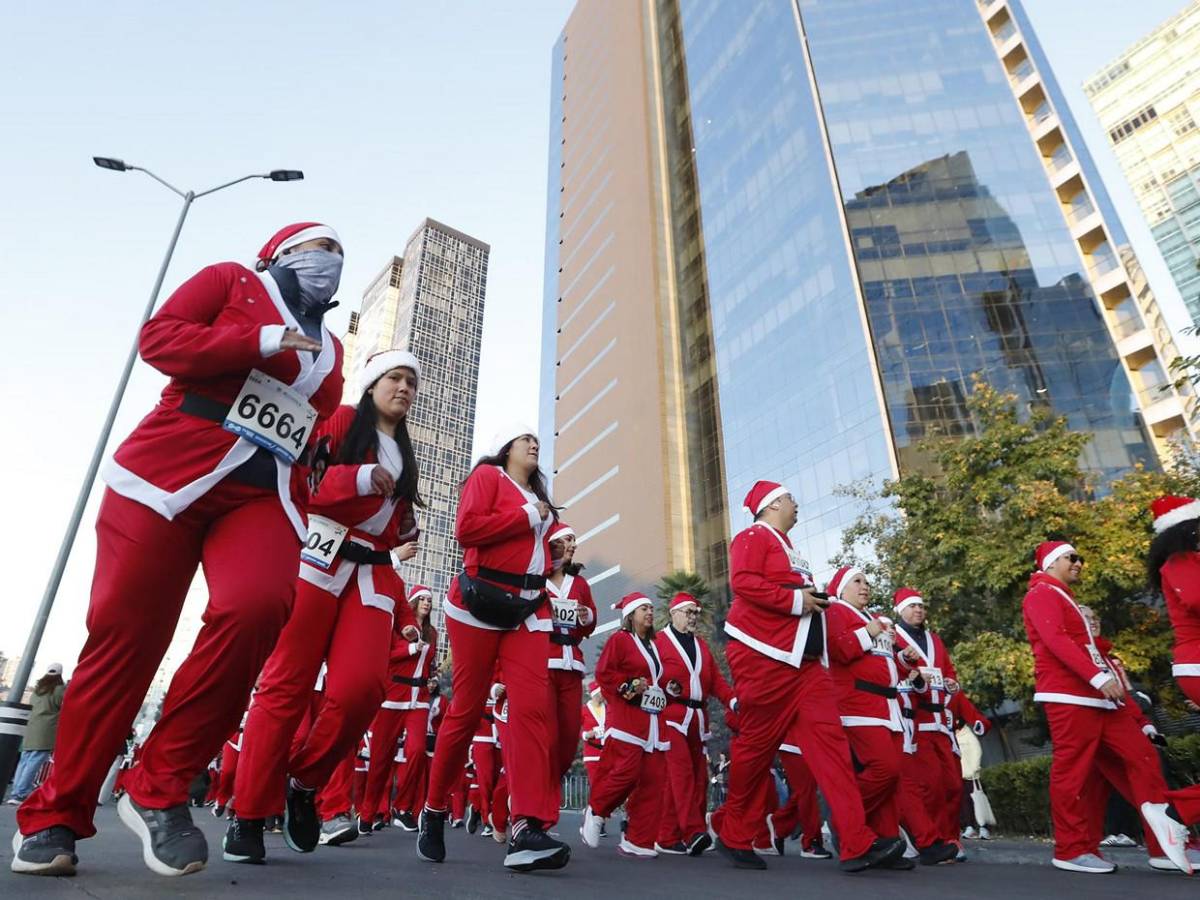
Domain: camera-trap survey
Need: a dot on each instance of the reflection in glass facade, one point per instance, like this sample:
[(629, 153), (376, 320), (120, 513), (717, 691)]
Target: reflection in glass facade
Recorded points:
[(927, 206)]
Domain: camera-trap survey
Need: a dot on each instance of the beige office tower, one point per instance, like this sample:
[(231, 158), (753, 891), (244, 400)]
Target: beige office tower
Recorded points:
[(1148, 102), (430, 302), (782, 238)]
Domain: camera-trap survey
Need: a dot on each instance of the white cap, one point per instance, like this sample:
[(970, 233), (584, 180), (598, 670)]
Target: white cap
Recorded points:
[(506, 435), (383, 362), (54, 669)]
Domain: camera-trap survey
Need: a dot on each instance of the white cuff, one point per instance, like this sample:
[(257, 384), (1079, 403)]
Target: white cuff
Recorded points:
[(979, 728), (797, 602), (362, 481), (1149, 730), (269, 339), (733, 705), (414, 647), (1098, 679), (864, 639), (535, 517)]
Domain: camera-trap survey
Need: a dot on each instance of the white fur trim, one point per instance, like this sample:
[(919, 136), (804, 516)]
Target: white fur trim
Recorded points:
[(770, 498), (1187, 670), (308, 234), (383, 362), (508, 433), (625, 611), (1175, 516), (1099, 679), (1055, 555), (846, 579), (909, 601), (1072, 700)]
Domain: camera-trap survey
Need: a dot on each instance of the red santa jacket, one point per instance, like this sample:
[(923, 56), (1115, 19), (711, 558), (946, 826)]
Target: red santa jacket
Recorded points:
[(218, 325), (485, 731), (1181, 589), (863, 669), (625, 658), (498, 527), (376, 522), (936, 668), (564, 641), (767, 614), (410, 667), (592, 731), (687, 712), (967, 713), (1068, 667)]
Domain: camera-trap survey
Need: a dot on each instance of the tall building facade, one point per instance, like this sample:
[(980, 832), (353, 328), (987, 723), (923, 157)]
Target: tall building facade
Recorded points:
[(782, 238), (430, 302), (1148, 101)]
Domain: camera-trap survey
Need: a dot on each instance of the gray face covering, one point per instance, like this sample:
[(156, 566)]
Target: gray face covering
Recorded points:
[(318, 271)]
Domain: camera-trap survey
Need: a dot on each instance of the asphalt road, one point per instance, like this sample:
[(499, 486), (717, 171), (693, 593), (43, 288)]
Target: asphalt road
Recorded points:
[(385, 865)]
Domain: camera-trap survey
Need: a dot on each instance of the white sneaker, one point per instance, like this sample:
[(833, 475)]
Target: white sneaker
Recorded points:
[(910, 851), (1110, 840), (1165, 865), (1088, 863), (627, 849), (969, 833), (1172, 835), (590, 829), (984, 834)]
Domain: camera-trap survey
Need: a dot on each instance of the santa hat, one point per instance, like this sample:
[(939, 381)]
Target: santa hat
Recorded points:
[(593, 688), (762, 495), (1050, 552), (292, 235), (506, 435), (630, 602), (560, 531), (384, 361), (906, 597), (1169, 511), (684, 600), (840, 579), (419, 591)]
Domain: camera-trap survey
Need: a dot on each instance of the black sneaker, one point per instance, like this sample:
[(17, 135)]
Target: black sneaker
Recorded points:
[(380, 823), (218, 810), (531, 849), (431, 839), (937, 853), (171, 843), (903, 864), (50, 851), (406, 820), (243, 842), (699, 843), (338, 830), (815, 851), (883, 852), (742, 859), (301, 824), (679, 848), (364, 827), (456, 823), (473, 820)]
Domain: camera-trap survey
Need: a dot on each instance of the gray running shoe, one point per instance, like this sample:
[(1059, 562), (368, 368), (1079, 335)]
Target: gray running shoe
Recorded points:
[(1088, 863), (50, 851), (171, 843), (338, 830)]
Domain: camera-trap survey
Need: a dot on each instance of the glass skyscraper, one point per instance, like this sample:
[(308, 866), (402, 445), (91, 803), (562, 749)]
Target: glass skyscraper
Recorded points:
[(853, 210)]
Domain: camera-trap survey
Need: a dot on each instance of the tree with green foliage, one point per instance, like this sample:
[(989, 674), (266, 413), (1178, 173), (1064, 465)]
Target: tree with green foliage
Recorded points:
[(689, 583)]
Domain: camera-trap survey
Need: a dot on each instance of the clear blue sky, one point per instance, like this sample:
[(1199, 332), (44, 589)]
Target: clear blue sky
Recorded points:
[(394, 110)]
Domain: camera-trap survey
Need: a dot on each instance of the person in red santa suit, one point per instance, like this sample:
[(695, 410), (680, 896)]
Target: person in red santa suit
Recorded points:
[(939, 775), (592, 734), (346, 598), (216, 472), (691, 676), (497, 613), (574, 619), (1173, 565), (343, 791), (777, 656), (1088, 729), (405, 711), (800, 811), (485, 754), (633, 764), (229, 758), (915, 816)]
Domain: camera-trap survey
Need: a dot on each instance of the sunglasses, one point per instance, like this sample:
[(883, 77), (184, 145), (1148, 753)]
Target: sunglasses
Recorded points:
[(1075, 558)]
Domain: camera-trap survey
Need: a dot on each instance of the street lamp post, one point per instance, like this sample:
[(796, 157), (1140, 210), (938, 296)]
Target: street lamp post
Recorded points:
[(21, 678)]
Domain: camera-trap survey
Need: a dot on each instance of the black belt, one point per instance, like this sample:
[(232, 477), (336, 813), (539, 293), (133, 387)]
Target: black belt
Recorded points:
[(931, 707), (563, 640), (520, 582), (488, 717), (204, 407), (689, 703), (870, 688), (908, 713), (415, 682), (364, 555)]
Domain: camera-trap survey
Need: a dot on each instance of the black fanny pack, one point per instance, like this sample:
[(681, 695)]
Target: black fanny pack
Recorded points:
[(415, 682), (498, 606), (872, 688), (563, 640)]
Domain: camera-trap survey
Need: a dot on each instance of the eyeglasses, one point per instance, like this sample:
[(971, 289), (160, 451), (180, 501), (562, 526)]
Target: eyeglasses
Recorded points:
[(1075, 558)]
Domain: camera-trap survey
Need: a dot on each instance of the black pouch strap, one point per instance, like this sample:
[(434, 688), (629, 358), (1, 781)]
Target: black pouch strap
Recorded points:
[(687, 701), (364, 555), (563, 640), (508, 579), (931, 707)]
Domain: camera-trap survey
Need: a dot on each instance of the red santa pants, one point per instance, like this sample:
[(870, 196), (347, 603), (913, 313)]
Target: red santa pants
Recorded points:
[(1190, 685), (522, 656), (683, 804), (939, 782), (229, 761), (337, 796), (412, 775), (1086, 740), (144, 567), (386, 728), (877, 753), (634, 776), (775, 699), (487, 773), (565, 715), (914, 813), (801, 810), (354, 640)]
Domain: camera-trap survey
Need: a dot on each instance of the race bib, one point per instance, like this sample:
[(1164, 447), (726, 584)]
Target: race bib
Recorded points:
[(933, 677), (270, 414), (654, 700), (566, 613), (1097, 659), (325, 536), (883, 643)]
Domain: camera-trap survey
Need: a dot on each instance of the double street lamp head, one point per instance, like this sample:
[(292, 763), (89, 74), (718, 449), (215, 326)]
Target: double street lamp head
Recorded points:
[(286, 175), (119, 165)]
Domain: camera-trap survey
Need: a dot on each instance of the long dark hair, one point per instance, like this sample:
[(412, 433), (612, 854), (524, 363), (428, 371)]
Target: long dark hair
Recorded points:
[(362, 439), (427, 628), (1181, 538), (537, 481), (47, 683)]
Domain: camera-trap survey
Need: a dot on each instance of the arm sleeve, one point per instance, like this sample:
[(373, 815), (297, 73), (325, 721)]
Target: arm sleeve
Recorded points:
[(608, 669), (747, 555), (478, 523), (849, 640), (180, 340), (402, 648), (1046, 616), (585, 599), (340, 481), (720, 687), (1181, 582)]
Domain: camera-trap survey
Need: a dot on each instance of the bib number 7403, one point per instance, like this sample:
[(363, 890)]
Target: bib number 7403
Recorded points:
[(270, 414)]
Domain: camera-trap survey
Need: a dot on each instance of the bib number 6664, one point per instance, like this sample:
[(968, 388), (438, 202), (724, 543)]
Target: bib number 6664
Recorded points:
[(271, 419), (269, 413)]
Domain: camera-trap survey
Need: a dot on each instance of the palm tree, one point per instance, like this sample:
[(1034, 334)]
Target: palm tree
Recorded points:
[(689, 583)]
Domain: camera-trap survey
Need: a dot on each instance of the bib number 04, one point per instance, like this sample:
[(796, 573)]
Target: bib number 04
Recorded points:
[(325, 536), (270, 414)]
